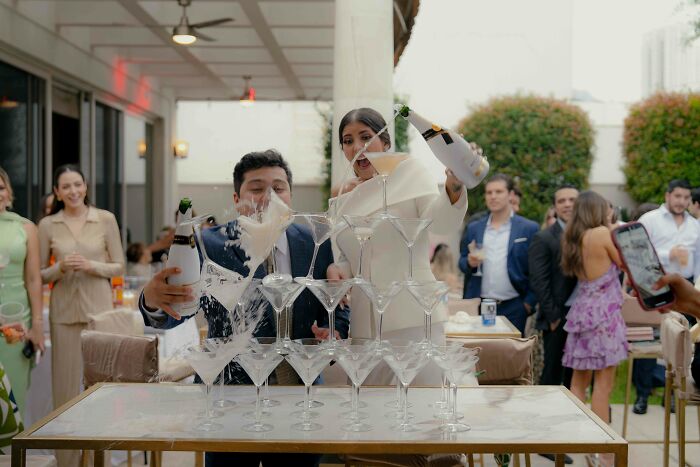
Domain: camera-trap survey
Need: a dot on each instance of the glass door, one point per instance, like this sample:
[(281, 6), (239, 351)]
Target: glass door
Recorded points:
[(22, 111)]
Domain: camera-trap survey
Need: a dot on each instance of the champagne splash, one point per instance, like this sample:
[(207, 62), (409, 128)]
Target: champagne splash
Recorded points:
[(259, 232)]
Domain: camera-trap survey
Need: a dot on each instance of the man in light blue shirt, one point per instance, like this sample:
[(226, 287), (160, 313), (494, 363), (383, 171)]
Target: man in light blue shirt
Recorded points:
[(504, 238)]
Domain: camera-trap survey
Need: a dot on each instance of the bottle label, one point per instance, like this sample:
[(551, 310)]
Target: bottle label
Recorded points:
[(436, 130), (184, 240)]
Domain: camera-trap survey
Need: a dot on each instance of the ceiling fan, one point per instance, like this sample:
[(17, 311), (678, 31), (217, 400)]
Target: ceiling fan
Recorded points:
[(186, 33)]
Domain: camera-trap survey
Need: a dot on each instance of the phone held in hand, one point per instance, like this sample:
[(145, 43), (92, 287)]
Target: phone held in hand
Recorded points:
[(28, 350), (643, 266)]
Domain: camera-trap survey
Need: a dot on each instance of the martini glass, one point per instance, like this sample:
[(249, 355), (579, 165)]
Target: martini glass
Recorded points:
[(358, 359), (208, 363), (363, 228), (266, 401), (428, 295), (280, 290), (258, 363), (251, 297), (322, 227), (308, 357), (406, 361), (329, 293), (385, 163), (455, 366), (410, 229), (225, 350), (381, 297), (223, 284), (443, 406)]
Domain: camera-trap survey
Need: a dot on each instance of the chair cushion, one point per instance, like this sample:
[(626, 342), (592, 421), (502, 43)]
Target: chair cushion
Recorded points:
[(506, 360), (648, 348), (635, 315), (676, 344), (118, 321), (468, 305), (116, 358), (173, 370)]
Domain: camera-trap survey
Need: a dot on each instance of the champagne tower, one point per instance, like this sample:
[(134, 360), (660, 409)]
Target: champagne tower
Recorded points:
[(450, 148), (183, 254)]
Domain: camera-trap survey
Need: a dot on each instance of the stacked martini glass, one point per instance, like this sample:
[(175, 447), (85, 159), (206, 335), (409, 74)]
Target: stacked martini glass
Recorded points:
[(357, 357)]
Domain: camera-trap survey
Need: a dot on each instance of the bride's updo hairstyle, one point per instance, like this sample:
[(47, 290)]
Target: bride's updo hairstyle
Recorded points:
[(368, 117)]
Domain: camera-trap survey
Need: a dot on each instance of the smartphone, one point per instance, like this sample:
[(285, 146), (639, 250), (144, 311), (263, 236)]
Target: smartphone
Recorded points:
[(642, 265), (28, 350)]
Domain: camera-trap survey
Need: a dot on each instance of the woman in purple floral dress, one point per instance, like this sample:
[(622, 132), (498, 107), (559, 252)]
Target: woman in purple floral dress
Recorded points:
[(596, 342)]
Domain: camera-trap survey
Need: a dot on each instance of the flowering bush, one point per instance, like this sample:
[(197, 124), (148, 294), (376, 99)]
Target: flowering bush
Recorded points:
[(541, 142), (662, 142)]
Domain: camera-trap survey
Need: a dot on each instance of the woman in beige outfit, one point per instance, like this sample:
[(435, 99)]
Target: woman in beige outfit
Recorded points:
[(86, 246)]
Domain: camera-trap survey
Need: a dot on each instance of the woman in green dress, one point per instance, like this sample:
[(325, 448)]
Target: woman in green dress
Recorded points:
[(20, 281), (10, 418)]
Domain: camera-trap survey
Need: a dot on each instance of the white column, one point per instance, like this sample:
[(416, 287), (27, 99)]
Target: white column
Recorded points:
[(363, 65)]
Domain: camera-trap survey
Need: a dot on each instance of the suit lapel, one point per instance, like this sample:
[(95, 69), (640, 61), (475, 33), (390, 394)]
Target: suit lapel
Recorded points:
[(557, 230), (514, 224), (299, 256), (481, 231)]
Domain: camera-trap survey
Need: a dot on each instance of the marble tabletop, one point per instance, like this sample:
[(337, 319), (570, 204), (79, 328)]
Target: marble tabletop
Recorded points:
[(162, 416)]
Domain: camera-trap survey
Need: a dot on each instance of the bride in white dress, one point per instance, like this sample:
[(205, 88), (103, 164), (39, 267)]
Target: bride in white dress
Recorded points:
[(411, 193)]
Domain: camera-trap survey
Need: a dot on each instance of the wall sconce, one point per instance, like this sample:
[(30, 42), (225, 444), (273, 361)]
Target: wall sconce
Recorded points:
[(6, 103), (142, 148), (181, 149)]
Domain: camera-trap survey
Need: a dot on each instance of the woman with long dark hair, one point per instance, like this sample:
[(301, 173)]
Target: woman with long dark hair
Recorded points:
[(596, 342), (87, 248), (411, 193)]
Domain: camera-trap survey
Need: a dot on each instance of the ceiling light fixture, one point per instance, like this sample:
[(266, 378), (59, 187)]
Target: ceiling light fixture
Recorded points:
[(183, 33), (248, 97), (186, 33)]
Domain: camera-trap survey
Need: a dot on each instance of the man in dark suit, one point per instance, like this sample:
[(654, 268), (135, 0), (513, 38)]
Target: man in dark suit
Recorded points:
[(553, 288), (504, 237), (254, 175)]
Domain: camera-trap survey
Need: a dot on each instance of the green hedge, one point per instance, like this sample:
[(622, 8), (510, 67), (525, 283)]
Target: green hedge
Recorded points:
[(662, 142), (541, 142)]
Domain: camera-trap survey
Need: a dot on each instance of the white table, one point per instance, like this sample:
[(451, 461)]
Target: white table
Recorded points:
[(472, 326), (518, 419)]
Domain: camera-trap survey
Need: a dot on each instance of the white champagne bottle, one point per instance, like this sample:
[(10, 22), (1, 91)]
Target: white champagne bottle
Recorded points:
[(183, 254), (450, 148)]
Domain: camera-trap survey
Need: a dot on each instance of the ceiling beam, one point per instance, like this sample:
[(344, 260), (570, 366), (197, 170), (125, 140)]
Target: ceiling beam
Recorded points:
[(133, 7), (257, 19), (172, 25), (98, 45)]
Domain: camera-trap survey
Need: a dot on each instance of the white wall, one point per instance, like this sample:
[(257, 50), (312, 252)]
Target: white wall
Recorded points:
[(462, 52), (134, 166), (221, 132)]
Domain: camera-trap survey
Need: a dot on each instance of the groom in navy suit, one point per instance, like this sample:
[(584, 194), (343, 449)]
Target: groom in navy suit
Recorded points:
[(504, 237), (253, 176)]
